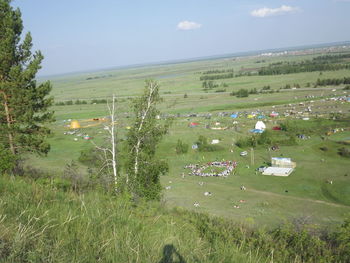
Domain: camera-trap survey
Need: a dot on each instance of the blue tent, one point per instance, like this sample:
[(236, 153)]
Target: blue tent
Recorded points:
[(234, 116), (261, 117), (256, 131)]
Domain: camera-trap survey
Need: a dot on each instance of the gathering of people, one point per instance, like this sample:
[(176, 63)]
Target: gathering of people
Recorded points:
[(199, 170)]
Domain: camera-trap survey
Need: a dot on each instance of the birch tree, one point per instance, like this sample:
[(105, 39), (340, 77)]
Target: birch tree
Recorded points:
[(142, 167), (109, 152)]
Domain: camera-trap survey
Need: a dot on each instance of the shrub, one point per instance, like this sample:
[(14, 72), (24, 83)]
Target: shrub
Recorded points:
[(344, 152), (75, 177), (242, 93), (181, 147), (220, 90), (7, 160), (90, 157), (204, 146), (324, 148)]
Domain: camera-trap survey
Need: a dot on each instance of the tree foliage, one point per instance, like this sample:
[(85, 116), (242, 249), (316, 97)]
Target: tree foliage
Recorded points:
[(321, 63), (142, 166), (181, 147), (24, 106)]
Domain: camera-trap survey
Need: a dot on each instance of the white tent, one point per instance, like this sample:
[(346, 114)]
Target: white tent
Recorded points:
[(260, 125), (215, 141)]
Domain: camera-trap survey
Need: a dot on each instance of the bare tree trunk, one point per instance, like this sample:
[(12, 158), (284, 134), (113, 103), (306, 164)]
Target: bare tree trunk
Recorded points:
[(112, 149), (113, 143), (152, 88), (8, 121)]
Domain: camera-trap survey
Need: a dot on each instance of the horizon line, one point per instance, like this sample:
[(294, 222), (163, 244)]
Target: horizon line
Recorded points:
[(192, 59)]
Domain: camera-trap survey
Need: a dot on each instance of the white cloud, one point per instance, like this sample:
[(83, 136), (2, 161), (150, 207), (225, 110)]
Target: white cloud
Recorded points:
[(265, 11), (188, 25)]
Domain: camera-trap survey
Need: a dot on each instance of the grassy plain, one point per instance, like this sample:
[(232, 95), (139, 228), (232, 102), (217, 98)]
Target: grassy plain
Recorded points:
[(268, 200)]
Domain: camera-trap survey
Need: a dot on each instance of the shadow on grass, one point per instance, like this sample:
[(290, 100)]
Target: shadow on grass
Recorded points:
[(170, 255)]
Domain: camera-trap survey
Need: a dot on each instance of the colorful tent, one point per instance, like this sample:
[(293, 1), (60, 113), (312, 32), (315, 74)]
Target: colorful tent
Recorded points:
[(74, 125), (256, 131), (260, 125), (193, 124), (234, 116)]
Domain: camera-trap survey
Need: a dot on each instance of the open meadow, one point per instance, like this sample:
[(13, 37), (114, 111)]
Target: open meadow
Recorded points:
[(318, 190)]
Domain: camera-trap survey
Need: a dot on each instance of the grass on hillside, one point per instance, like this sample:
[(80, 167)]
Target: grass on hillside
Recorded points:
[(45, 224)]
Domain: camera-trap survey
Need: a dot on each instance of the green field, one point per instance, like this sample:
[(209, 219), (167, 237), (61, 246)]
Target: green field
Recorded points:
[(269, 200)]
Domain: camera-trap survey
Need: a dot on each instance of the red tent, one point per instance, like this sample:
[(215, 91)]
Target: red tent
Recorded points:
[(276, 128), (193, 124)]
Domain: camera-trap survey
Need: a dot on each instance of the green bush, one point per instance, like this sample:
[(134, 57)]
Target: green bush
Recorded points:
[(181, 147), (344, 152), (7, 160), (204, 146), (242, 93)]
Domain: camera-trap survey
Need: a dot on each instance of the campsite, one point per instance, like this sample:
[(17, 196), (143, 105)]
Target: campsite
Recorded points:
[(297, 124), (129, 135)]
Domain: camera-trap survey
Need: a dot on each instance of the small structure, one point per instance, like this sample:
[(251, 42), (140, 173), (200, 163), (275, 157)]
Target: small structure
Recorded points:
[(193, 124), (215, 141), (278, 171), (234, 116), (256, 131), (74, 125), (280, 167), (262, 169), (282, 162), (260, 125)]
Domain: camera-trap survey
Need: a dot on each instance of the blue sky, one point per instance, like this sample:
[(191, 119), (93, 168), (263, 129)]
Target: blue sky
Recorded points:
[(78, 35)]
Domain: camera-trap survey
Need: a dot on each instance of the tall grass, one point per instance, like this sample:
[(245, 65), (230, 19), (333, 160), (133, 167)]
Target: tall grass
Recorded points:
[(38, 224), (44, 224)]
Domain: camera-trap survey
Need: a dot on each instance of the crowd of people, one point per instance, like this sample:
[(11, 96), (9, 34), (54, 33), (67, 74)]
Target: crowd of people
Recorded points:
[(199, 170)]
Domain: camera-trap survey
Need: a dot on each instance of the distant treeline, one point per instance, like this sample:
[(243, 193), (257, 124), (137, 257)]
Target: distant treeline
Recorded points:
[(80, 102), (304, 66), (99, 77), (320, 63), (328, 82), (220, 76), (209, 85), (331, 58), (218, 71)]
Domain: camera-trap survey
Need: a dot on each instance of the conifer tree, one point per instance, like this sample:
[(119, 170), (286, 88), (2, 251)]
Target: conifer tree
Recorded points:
[(24, 105), (142, 167)]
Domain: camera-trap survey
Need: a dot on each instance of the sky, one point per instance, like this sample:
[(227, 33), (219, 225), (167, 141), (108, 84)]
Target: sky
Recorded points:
[(82, 35)]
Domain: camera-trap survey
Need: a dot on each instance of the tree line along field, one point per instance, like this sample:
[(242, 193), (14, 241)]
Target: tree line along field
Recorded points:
[(269, 200), (181, 78)]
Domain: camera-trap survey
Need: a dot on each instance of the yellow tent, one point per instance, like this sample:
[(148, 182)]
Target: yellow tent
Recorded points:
[(74, 125)]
